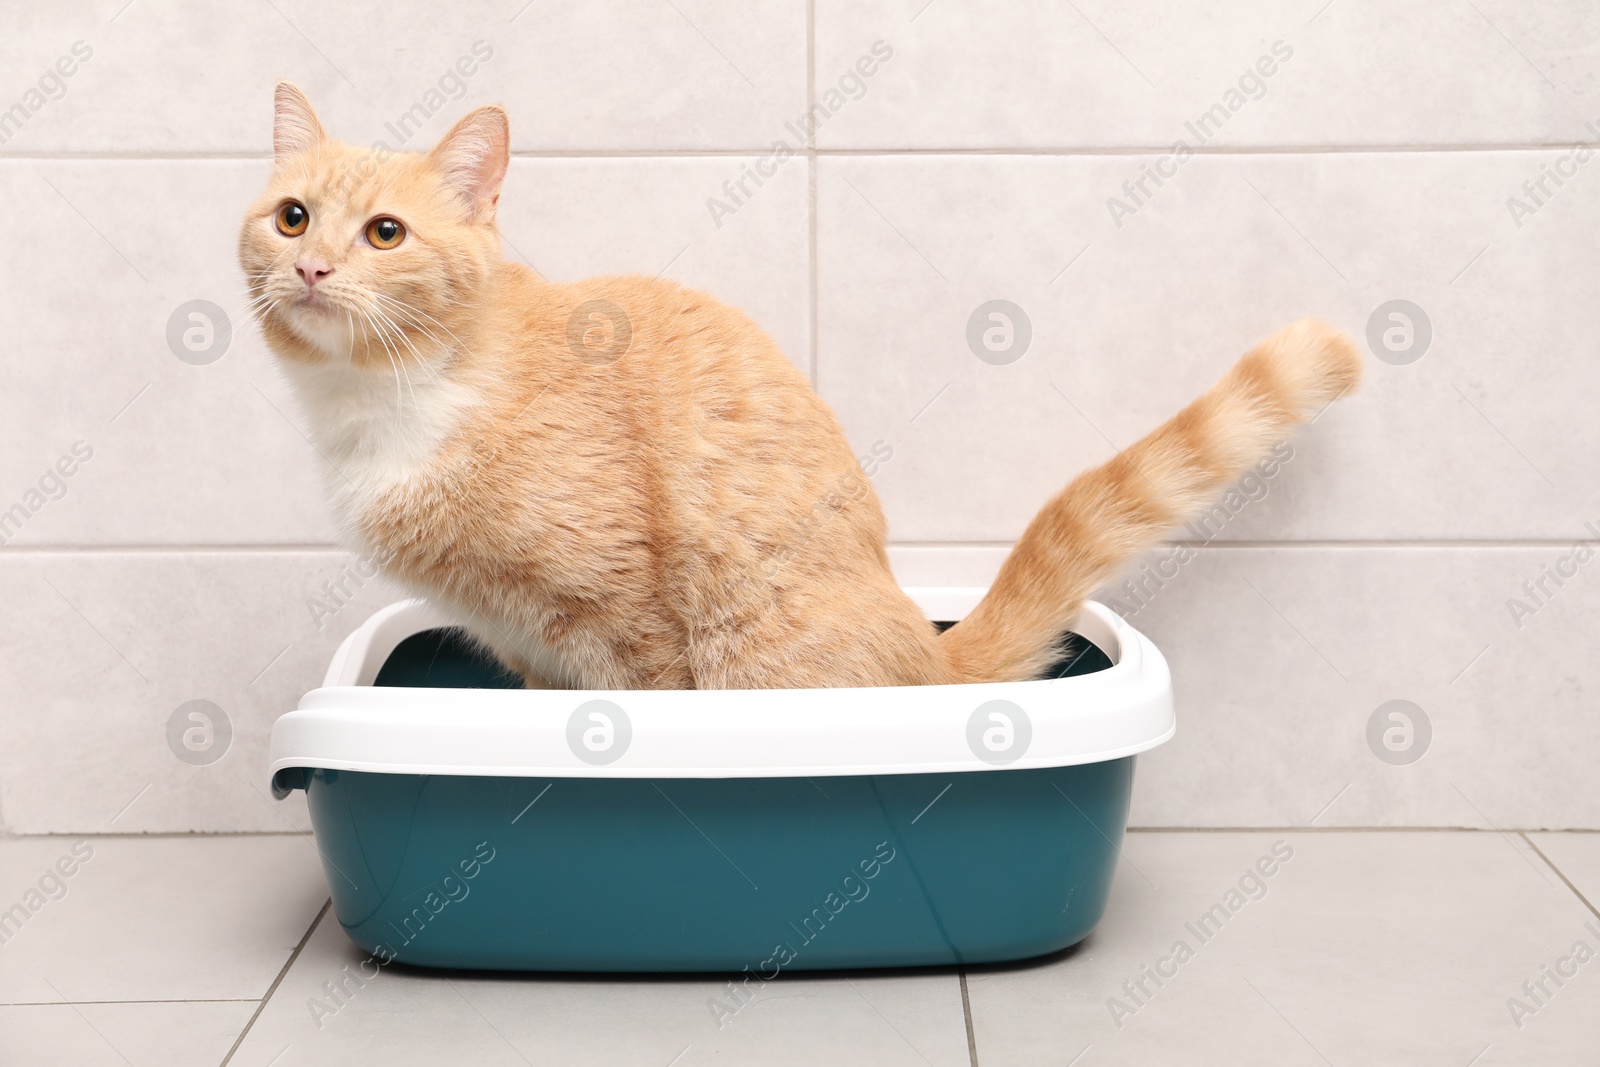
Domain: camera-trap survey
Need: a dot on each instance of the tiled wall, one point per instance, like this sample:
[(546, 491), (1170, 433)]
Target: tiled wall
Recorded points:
[(1357, 152)]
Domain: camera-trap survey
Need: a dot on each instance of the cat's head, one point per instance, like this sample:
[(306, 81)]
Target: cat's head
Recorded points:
[(361, 255)]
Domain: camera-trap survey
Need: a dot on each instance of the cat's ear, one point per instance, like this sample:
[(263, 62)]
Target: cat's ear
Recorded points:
[(473, 157), (294, 125)]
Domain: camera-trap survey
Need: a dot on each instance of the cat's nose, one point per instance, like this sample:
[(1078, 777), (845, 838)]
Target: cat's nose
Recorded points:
[(312, 270)]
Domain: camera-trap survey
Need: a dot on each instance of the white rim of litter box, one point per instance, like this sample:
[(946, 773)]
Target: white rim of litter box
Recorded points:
[(349, 724)]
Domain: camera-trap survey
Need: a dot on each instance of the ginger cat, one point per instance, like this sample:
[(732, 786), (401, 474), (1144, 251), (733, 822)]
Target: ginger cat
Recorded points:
[(621, 483)]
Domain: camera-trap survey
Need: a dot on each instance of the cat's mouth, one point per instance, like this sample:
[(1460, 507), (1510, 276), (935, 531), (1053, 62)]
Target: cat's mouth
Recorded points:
[(310, 300)]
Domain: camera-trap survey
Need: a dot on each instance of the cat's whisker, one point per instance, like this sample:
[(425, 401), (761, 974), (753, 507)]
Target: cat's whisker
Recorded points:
[(422, 361), (401, 376), (388, 324), (385, 324), (420, 317), (419, 320), (373, 329), (253, 307), (419, 327), (403, 339)]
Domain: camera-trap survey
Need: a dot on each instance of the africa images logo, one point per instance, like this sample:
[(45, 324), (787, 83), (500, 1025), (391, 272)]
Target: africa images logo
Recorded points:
[(999, 732), (599, 732)]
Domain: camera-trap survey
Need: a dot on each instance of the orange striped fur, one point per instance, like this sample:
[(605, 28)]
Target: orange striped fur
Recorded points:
[(688, 514), (1090, 529)]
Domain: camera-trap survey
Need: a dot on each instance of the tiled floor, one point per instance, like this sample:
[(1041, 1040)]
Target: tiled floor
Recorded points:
[(1362, 948)]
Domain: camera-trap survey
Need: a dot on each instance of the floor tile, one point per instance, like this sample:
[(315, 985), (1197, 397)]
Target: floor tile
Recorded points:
[(171, 918), (402, 1017), (1356, 948), (163, 1034), (1577, 856)]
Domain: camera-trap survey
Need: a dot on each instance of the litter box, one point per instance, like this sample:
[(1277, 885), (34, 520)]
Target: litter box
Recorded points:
[(466, 822)]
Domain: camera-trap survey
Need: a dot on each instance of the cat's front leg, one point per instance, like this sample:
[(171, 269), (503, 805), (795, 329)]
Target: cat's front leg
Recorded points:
[(531, 679)]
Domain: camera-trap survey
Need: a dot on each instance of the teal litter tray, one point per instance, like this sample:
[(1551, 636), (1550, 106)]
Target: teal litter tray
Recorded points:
[(466, 822)]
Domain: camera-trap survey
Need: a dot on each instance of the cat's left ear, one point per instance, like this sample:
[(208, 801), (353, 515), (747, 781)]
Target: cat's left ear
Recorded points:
[(473, 157)]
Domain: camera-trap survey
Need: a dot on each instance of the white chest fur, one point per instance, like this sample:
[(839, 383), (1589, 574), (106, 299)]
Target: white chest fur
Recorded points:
[(379, 439), (377, 429)]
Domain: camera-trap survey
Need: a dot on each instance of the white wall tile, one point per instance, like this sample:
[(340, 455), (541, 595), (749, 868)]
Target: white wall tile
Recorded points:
[(577, 218), (181, 453), (1421, 503), (101, 648), (1281, 655), (1100, 73), (212, 454), (635, 74), (1131, 323)]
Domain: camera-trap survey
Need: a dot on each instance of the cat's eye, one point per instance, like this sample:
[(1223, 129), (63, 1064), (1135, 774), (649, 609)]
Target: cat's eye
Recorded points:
[(385, 232), (292, 219)]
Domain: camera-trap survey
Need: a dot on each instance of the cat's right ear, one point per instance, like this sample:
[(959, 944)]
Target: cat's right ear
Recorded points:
[(294, 125)]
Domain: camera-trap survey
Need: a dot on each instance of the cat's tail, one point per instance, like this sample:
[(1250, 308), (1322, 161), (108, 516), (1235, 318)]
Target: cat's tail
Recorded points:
[(1091, 529)]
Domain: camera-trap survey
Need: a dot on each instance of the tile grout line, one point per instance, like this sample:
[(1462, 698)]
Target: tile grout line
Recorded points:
[(152, 835), (1198, 150), (1356, 830), (1056, 151), (188, 1000), (811, 191), (169, 835), (1300, 543), (966, 1015), (308, 547), (1289, 543), (1559, 873), (273, 988)]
